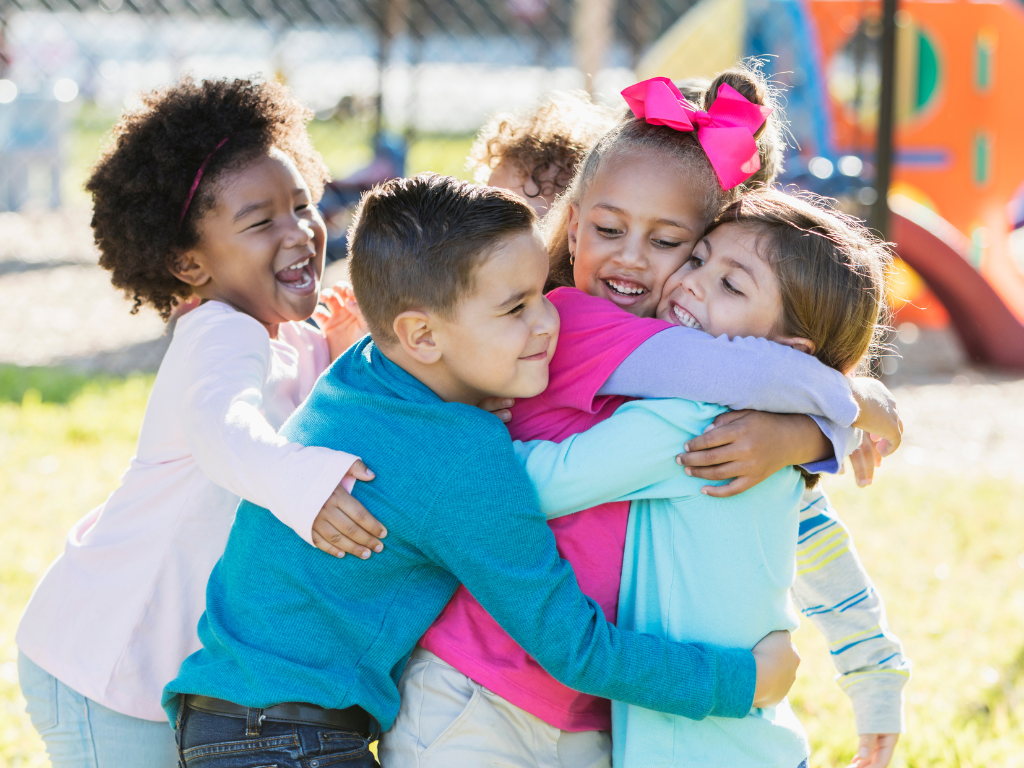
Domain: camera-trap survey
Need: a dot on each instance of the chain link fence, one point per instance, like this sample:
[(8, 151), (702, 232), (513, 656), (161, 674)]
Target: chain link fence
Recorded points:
[(407, 68)]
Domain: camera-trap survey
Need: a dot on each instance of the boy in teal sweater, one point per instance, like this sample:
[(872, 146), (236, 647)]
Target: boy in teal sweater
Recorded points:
[(302, 651)]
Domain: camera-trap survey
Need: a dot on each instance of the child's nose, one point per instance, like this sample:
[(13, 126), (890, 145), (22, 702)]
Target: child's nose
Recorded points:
[(301, 233), (548, 321), (632, 253), (691, 283)]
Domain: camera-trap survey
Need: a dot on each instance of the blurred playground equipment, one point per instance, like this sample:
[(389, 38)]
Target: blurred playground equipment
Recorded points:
[(957, 192), (33, 130)]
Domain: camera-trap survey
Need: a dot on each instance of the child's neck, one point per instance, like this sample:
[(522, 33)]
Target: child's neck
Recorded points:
[(435, 376), (272, 328)]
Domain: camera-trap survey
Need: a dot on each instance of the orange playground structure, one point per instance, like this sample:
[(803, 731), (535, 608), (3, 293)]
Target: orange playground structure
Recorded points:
[(957, 196)]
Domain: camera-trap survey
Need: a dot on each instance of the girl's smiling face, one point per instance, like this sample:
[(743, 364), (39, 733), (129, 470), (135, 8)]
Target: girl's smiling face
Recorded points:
[(725, 287), (261, 247), (635, 225)]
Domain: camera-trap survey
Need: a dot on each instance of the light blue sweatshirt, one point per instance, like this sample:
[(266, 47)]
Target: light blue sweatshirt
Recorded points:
[(696, 568)]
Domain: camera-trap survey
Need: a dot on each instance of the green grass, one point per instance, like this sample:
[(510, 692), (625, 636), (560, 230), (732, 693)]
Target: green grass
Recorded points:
[(60, 458)]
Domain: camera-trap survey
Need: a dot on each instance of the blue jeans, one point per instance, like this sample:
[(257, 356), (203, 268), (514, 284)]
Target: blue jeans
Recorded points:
[(219, 741), (79, 733)]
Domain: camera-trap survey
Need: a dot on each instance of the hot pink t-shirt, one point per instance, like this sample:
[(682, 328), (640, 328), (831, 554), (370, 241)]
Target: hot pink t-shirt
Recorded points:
[(596, 336)]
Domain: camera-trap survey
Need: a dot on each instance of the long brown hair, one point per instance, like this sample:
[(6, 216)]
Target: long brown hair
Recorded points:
[(831, 271), (635, 135)]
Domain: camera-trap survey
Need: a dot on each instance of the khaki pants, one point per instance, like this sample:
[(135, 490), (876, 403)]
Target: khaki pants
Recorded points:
[(449, 721)]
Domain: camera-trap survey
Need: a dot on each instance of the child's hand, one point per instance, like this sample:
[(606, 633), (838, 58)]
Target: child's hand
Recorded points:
[(341, 321), (876, 750), (344, 525), (864, 460), (777, 660), (879, 416), (499, 406), (751, 446)]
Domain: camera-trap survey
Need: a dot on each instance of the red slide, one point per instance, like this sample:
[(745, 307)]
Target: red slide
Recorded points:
[(989, 331)]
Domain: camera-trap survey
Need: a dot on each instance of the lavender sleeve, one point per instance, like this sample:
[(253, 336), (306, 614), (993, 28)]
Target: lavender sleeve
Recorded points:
[(742, 373)]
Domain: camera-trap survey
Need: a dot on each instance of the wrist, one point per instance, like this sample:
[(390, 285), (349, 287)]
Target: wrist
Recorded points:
[(808, 443), (735, 683)]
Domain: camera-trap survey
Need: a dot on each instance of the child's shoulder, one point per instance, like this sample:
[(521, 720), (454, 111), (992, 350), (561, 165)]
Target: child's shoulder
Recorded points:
[(675, 413), (366, 392), (580, 310), (215, 319)]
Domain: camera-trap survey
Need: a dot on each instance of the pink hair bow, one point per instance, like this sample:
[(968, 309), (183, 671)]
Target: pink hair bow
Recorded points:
[(726, 131)]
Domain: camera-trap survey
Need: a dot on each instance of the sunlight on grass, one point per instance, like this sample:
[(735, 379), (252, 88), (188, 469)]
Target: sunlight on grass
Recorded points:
[(947, 554), (57, 461)]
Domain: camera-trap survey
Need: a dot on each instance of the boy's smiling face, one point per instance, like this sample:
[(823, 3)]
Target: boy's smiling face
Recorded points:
[(500, 339)]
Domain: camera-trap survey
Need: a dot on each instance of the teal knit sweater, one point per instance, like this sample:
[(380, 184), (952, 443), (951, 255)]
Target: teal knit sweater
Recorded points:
[(286, 622)]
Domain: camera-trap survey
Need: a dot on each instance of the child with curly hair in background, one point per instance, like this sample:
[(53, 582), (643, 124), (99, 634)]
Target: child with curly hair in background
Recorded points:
[(535, 153), (207, 193)]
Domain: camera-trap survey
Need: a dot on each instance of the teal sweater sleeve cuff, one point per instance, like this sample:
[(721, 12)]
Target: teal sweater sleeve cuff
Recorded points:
[(734, 683)]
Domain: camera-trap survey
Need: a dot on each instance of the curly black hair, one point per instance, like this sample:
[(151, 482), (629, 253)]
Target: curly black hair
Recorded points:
[(140, 184)]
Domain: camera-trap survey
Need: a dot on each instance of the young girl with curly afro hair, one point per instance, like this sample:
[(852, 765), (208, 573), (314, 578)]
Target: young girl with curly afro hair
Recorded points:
[(206, 194)]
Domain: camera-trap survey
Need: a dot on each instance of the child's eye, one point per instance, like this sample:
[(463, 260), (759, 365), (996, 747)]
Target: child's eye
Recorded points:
[(259, 224), (607, 231), (695, 262), (303, 207), (517, 309), (666, 244), (731, 288)]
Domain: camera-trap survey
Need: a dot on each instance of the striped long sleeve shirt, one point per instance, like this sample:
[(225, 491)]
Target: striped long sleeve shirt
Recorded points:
[(833, 590)]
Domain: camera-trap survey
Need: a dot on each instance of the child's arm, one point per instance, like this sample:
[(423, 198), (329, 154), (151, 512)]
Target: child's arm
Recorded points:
[(627, 456), (234, 445), (501, 549), (741, 373), (835, 592)]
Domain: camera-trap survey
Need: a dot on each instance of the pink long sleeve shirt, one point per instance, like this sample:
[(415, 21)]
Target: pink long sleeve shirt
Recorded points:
[(116, 613), (593, 341)]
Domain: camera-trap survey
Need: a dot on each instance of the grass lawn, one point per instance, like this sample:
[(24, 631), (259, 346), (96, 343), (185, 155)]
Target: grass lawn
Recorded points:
[(947, 554)]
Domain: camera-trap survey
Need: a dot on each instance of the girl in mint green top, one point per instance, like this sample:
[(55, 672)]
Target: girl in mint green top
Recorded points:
[(698, 568)]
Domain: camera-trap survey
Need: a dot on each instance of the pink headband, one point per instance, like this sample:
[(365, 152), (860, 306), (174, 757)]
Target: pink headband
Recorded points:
[(726, 130), (199, 177)]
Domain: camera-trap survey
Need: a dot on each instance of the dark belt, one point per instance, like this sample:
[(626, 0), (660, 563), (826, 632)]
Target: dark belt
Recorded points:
[(355, 719)]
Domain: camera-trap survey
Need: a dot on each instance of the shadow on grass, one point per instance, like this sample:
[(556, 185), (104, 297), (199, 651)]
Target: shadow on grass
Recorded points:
[(1002, 697), (53, 385), (62, 382)]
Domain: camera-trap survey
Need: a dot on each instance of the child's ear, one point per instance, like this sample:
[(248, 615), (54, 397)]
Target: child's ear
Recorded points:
[(188, 267), (798, 343), (415, 334), (574, 228)]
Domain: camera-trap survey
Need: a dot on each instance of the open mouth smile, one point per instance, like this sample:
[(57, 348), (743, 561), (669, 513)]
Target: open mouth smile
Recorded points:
[(623, 291), (685, 318), (299, 278)]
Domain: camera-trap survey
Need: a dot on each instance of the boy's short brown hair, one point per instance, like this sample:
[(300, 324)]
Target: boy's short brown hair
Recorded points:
[(415, 243), (545, 144)]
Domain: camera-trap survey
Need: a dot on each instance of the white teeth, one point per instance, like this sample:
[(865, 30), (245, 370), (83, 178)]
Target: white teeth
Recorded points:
[(685, 317), (625, 288), (305, 282), (300, 265)]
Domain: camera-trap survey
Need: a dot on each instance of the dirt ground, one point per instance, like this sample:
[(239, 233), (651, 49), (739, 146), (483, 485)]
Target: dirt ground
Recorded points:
[(57, 307)]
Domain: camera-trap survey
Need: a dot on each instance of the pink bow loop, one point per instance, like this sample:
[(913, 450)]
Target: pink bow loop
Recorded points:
[(726, 131)]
